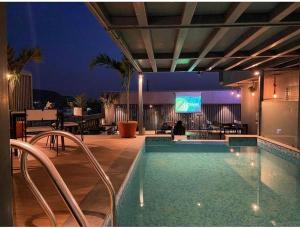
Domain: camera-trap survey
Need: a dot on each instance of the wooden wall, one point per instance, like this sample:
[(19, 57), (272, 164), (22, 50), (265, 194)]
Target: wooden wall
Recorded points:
[(21, 97), (157, 114)]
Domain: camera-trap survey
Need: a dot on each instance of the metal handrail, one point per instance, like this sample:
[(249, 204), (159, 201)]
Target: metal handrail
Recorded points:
[(59, 183), (91, 159)]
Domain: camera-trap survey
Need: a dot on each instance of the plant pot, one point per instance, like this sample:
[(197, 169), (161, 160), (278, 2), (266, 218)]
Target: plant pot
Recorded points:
[(127, 129)]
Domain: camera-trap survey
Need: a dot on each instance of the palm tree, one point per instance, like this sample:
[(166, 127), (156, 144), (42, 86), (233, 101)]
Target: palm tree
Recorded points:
[(16, 63), (108, 99), (80, 101), (125, 69)]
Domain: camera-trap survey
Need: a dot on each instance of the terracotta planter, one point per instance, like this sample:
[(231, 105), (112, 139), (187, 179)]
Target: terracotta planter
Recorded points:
[(127, 129)]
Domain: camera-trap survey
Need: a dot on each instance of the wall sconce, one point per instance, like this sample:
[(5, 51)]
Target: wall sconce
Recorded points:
[(8, 76), (252, 89), (256, 73)]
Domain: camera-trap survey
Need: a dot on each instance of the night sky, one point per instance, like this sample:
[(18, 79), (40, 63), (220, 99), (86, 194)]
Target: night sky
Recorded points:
[(69, 36)]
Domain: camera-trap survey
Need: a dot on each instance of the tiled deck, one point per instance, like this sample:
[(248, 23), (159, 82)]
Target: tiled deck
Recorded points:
[(114, 154)]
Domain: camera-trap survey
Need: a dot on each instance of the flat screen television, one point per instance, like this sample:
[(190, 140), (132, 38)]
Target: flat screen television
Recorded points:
[(189, 102)]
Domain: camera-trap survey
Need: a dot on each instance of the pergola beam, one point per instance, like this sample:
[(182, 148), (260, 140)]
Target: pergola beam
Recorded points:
[(234, 13), (283, 62), (278, 14), (141, 14), (269, 44), (102, 18), (246, 19), (187, 17), (285, 50), (212, 55)]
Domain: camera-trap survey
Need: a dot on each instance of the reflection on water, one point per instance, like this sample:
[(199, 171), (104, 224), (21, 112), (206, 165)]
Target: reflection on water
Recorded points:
[(209, 185)]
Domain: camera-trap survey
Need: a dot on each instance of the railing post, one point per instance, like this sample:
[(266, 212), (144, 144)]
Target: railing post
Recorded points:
[(6, 197)]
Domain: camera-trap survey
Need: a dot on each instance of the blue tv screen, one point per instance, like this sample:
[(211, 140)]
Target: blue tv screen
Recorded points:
[(188, 103)]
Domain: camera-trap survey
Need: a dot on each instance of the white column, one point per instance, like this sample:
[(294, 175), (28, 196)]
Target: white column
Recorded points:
[(6, 218), (140, 94)]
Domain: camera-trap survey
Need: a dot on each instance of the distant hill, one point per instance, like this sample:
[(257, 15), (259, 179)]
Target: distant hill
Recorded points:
[(41, 97)]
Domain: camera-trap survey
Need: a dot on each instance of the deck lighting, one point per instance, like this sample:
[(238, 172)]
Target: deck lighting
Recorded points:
[(231, 150), (199, 204), (238, 95), (252, 163), (253, 94), (232, 93), (254, 207), (150, 106), (237, 154)]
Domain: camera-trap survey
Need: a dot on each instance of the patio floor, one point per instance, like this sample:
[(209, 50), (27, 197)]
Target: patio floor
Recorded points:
[(114, 154)]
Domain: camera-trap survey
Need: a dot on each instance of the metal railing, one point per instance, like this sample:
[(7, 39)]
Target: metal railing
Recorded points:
[(91, 159), (59, 183)]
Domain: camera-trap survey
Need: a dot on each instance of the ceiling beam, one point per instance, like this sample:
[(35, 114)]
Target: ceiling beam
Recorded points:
[(262, 19), (209, 25), (233, 14), (282, 62), (102, 18), (284, 50), (141, 14), (187, 17), (277, 15), (273, 42), (212, 55)]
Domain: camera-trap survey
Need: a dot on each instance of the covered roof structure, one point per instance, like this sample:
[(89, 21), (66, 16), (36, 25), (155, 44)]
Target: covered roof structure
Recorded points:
[(204, 36)]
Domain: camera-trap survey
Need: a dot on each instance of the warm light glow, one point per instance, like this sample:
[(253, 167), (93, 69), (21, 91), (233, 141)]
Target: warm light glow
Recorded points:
[(8, 76), (237, 154), (253, 94), (252, 163), (238, 95), (150, 106), (232, 93), (256, 72), (199, 204), (142, 204), (255, 207), (141, 76), (274, 95), (231, 150)]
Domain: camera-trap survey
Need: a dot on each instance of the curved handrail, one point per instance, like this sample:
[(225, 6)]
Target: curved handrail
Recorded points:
[(59, 183), (91, 159)]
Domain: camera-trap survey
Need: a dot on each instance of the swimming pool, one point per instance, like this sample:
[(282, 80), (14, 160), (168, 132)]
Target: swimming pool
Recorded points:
[(211, 184)]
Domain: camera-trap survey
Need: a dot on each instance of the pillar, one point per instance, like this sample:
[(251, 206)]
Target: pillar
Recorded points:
[(6, 199), (261, 79), (140, 98)]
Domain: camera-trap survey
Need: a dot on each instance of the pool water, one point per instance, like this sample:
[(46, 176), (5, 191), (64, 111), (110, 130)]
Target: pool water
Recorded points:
[(210, 184)]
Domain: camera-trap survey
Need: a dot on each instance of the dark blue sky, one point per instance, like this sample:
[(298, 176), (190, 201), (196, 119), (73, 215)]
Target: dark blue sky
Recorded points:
[(69, 36)]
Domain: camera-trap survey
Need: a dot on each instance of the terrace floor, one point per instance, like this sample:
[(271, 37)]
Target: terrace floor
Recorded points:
[(114, 154)]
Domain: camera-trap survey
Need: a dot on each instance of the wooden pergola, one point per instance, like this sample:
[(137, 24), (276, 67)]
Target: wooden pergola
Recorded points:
[(204, 36)]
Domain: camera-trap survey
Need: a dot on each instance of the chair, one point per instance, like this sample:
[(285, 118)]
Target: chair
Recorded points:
[(42, 121)]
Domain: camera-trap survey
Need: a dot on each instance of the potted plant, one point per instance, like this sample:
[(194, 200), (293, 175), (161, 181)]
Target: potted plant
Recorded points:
[(78, 105), (108, 100), (127, 129)]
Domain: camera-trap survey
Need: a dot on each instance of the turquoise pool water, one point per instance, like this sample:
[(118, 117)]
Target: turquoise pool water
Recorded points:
[(211, 184)]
